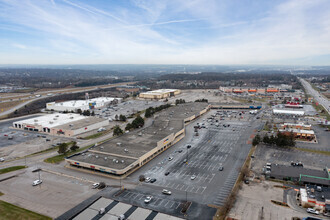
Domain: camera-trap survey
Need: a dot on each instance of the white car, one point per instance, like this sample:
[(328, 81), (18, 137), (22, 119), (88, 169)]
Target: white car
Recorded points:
[(313, 211), (147, 180), (95, 185), (36, 182), (148, 199), (2, 159), (170, 158), (193, 177), (166, 192)]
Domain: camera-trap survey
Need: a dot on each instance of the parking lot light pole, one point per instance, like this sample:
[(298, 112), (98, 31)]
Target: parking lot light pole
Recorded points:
[(189, 146)]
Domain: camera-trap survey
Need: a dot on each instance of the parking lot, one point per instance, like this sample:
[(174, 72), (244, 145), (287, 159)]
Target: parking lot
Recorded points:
[(18, 136), (215, 146), (23, 142), (267, 154), (126, 108), (46, 198)]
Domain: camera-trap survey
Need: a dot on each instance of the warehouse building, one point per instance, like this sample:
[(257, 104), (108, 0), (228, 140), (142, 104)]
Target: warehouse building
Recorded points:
[(240, 90), (67, 125), (129, 151), (288, 112), (88, 104), (160, 94)]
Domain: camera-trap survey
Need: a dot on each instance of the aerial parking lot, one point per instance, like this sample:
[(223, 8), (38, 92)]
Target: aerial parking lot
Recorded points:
[(203, 173), (17, 143), (126, 108)]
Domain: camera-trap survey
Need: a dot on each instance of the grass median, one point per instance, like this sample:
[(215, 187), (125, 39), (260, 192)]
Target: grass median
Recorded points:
[(11, 169), (59, 158), (9, 211), (327, 153)]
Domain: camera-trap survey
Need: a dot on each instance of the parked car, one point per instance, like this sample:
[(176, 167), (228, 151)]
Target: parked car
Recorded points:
[(166, 174), (147, 180), (95, 185), (313, 211), (221, 168), (148, 199), (170, 158), (2, 159), (166, 192), (153, 180), (193, 177), (36, 182)]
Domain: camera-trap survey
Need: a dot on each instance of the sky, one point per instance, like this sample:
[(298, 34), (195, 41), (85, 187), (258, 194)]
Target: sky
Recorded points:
[(224, 32)]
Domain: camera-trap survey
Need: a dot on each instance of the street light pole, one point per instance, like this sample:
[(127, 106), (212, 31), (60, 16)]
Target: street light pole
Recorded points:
[(189, 146)]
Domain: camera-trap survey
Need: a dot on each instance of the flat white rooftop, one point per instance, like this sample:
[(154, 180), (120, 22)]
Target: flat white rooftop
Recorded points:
[(160, 91), (81, 103), (52, 120), (298, 124), (297, 131), (290, 112)]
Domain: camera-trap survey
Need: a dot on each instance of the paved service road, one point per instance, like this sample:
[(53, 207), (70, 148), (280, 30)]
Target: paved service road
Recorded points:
[(319, 97)]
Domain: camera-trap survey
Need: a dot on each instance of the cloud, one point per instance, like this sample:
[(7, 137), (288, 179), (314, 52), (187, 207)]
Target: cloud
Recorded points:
[(19, 46), (196, 32)]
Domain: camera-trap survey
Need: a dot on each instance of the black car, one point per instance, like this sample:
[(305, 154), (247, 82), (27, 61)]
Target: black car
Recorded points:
[(152, 180), (220, 168), (167, 173)]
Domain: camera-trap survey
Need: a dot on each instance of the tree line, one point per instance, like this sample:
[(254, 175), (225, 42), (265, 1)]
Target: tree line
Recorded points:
[(280, 140), (151, 110)]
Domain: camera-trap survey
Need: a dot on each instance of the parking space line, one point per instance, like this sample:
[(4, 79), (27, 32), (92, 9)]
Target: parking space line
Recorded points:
[(166, 202), (127, 194)]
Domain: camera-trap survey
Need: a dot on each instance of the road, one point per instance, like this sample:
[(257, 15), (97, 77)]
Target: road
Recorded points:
[(54, 93), (317, 96)]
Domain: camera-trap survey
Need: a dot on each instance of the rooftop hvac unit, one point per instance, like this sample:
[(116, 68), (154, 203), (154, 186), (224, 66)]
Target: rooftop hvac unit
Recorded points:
[(125, 150), (119, 144), (101, 147), (35, 120), (96, 156), (83, 154), (71, 117), (122, 161), (51, 122), (140, 134), (117, 161), (114, 160), (105, 158), (54, 119), (57, 116), (71, 125)]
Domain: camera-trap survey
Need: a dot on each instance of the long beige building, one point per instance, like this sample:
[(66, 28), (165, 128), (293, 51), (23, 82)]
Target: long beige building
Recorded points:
[(160, 94), (67, 125), (124, 154)]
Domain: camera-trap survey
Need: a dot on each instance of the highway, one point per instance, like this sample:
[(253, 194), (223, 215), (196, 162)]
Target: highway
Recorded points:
[(54, 93), (317, 96)]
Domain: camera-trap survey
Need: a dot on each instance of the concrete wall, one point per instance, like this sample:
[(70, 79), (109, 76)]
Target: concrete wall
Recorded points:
[(91, 127)]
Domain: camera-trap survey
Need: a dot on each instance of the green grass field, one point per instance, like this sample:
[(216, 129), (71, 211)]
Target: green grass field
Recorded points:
[(60, 158), (9, 211), (10, 169)]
